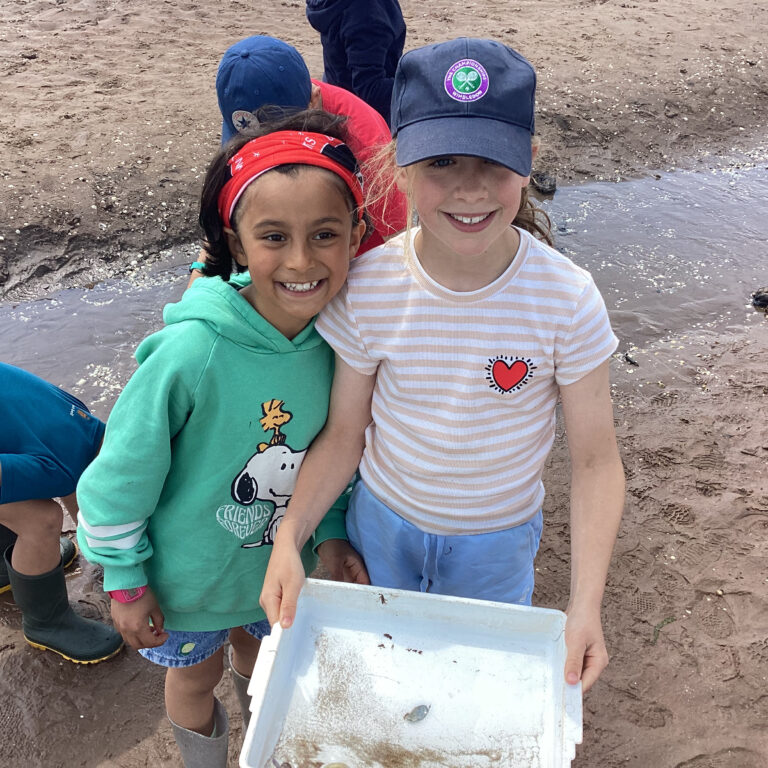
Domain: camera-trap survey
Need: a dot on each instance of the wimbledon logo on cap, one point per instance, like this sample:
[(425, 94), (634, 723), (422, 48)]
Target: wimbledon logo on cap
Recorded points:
[(466, 80)]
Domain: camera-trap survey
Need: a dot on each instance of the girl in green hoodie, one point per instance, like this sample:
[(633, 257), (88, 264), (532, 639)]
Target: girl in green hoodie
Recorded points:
[(203, 446)]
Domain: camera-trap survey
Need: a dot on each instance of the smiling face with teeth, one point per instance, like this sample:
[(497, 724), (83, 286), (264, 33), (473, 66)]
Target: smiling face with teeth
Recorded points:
[(296, 234), (466, 206)]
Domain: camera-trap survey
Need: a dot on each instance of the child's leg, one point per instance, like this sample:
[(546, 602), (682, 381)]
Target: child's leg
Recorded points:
[(244, 648), (32, 568), (189, 698), (195, 662), (37, 523), (71, 505)]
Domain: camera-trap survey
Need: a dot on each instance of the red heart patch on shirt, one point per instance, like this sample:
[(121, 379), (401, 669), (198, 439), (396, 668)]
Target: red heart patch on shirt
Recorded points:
[(506, 376)]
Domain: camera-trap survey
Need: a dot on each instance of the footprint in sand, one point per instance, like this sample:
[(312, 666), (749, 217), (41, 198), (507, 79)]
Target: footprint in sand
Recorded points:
[(730, 757), (642, 604), (678, 514), (695, 553), (713, 620), (708, 461)]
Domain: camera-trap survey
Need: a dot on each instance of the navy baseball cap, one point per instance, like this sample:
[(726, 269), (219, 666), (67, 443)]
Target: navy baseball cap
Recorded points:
[(464, 97), (257, 72)]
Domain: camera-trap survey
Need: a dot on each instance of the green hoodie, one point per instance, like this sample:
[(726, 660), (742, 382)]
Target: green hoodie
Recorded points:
[(200, 459)]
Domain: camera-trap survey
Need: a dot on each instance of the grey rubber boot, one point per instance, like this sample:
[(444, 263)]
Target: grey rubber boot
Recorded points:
[(198, 751), (50, 624), (241, 689), (67, 548)]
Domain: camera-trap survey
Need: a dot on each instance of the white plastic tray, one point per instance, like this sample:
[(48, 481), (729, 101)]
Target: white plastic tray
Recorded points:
[(335, 687)]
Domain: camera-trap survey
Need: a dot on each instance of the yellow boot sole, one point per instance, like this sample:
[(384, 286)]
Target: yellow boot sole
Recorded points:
[(74, 556), (69, 658)]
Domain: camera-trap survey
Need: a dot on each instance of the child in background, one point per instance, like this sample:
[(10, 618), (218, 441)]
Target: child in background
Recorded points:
[(453, 343), (260, 77), (47, 439), (204, 444), (260, 73), (362, 43)]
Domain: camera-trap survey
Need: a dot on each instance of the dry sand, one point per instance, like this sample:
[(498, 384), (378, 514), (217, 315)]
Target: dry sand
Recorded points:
[(109, 118), (109, 112)]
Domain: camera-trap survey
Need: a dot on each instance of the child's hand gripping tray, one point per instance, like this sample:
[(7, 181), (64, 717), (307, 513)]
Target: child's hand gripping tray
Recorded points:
[(382, 678)]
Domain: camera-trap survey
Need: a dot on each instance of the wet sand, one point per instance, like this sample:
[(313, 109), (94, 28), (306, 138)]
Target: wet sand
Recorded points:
[(94, 92), (684, 609)]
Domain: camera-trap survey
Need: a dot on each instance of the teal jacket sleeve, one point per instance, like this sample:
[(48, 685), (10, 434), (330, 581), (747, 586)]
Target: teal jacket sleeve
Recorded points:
[(333, 525), (240, 279), (120, 489)]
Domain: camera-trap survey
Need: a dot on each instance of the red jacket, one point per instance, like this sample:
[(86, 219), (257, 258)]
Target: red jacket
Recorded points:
[(367, 133)]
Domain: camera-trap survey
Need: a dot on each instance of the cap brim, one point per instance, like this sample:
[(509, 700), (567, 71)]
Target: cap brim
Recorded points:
[(504, 143)]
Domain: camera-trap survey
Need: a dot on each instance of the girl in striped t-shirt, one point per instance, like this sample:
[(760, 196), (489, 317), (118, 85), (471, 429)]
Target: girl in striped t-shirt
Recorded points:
[(454, 342)]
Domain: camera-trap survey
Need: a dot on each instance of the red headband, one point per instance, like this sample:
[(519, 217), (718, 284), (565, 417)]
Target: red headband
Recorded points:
[(284, 148)]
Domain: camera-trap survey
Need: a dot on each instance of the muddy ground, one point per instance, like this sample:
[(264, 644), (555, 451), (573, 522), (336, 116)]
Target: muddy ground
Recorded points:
[(109, 118)]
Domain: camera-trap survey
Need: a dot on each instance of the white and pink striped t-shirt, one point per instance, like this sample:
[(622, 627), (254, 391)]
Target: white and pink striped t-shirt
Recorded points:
[(464, 402)]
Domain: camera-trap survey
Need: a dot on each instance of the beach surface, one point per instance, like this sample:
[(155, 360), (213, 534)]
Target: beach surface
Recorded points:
[(109, 120), (110, 117)]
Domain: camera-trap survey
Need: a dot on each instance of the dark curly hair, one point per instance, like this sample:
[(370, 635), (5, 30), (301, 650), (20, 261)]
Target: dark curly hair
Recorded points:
[(219, 260)]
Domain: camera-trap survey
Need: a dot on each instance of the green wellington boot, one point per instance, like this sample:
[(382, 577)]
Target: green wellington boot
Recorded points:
[(67, 547), (7, 539), (49, 623)]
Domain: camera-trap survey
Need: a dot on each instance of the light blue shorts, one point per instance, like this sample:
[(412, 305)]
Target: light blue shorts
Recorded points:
[(487, 566), (185, 649)]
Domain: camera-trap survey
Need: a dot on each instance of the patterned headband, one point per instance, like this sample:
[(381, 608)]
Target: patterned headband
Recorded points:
[(284, 148)]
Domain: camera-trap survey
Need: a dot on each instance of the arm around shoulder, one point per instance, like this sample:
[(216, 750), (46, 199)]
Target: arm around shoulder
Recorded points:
[(329, 465), (333, 457)]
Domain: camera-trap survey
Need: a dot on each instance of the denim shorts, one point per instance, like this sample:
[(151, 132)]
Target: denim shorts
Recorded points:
[(185, 649), (487, 566)]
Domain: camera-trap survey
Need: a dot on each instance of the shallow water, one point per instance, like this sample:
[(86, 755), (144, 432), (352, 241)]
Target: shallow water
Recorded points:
[(674, 255), (83, 339), (671, 255)]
